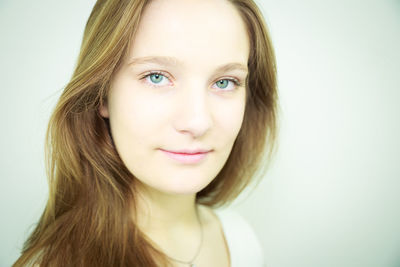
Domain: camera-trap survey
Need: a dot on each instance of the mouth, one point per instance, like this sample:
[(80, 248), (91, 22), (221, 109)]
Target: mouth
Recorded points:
[(187, 156)]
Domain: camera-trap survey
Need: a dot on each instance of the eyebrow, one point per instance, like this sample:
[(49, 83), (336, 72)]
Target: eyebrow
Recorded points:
[(172, 61), (168, 61)]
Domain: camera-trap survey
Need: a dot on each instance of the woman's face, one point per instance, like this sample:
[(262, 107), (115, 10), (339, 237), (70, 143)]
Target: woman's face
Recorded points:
[(181, 89)]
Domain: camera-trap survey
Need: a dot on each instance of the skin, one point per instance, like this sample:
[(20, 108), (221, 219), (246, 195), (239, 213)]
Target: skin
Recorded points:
[(190, 104)]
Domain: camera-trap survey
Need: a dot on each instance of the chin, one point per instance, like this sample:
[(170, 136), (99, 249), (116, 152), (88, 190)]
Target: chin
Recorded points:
[(186, 189), (181, 186)]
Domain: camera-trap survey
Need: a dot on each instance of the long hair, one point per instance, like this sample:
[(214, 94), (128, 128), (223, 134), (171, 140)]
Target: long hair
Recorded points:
[(89, 219)]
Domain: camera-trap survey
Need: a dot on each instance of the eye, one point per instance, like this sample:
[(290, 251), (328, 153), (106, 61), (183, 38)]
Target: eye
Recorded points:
[(156, 79), (227, 84)]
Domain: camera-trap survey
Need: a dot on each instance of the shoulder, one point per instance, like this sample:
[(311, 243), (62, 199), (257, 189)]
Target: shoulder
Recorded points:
[(243, 243)]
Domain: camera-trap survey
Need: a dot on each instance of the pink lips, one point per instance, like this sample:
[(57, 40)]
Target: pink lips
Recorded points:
[(187, 156)]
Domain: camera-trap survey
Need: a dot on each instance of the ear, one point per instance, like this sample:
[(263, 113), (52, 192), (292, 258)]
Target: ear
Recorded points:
[(103, 110)]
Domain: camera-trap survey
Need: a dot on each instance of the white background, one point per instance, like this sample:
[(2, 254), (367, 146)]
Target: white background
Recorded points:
[(331, 198)]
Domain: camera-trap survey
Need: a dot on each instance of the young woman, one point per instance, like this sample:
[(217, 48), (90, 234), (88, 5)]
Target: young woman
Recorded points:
[(169, 114)]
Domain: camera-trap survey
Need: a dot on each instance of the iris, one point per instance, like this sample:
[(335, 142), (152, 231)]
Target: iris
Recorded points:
[(222, 84), (156, 78)]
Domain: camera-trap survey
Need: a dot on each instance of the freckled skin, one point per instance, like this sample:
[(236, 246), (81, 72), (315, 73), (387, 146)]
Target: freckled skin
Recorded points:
[(190, 106)]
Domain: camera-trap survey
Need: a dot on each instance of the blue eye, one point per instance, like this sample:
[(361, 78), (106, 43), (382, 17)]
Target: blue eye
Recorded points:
[(156, 79), (227, 84)]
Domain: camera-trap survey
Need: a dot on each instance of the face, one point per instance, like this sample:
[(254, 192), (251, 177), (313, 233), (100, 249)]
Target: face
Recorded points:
[(177, 103)]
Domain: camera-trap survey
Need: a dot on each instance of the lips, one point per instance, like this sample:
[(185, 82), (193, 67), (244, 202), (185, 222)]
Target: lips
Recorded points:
[(188, 156), (188, 151)]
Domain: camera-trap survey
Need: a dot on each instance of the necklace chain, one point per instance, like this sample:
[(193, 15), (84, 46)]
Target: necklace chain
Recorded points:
[(190, 263)]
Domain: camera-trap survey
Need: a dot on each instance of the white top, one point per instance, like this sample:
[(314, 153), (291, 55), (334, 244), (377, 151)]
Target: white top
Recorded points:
[(244, 247)]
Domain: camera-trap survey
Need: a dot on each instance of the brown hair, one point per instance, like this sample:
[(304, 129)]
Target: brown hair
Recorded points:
[(88, 218)]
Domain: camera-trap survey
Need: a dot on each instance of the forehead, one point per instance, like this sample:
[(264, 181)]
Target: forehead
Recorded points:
[(198, 32)]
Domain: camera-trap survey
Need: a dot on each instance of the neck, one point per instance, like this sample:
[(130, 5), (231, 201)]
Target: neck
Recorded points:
[(162, 212), (166, 218)]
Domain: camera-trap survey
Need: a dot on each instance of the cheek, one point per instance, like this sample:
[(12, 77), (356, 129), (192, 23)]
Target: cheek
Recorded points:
[(135, 126), (229, 120), (137, 117)]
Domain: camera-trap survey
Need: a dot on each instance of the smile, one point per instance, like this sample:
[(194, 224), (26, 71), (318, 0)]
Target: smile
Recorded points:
[(186, 157)]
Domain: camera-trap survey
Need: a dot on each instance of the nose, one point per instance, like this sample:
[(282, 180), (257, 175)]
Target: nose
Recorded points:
[(193, 114)]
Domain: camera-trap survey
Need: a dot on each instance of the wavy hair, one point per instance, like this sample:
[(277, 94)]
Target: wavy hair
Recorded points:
[(88, 217)]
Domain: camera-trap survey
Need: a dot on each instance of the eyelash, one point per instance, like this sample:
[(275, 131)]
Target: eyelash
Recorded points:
[(235, 81)]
